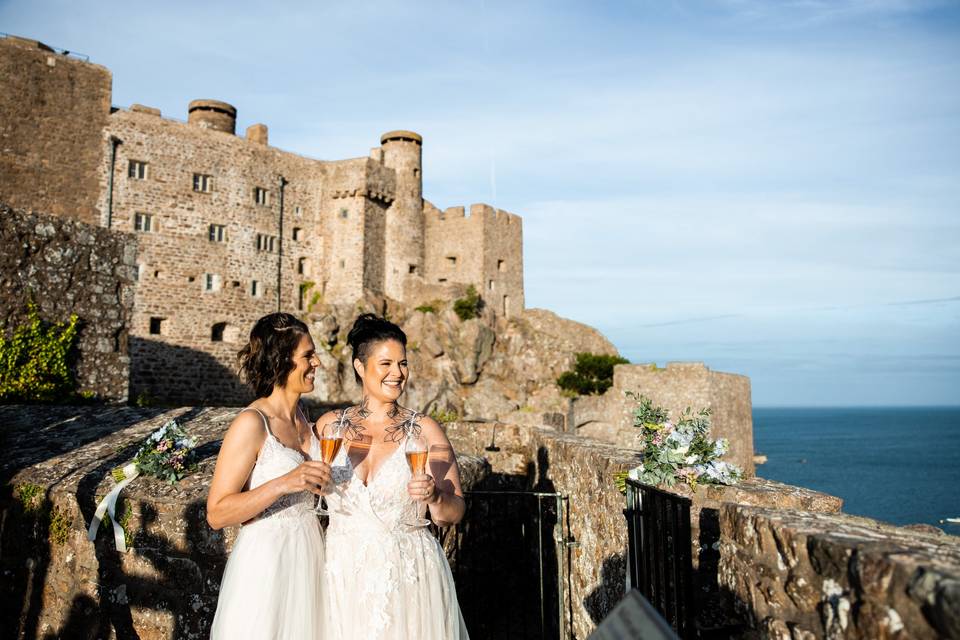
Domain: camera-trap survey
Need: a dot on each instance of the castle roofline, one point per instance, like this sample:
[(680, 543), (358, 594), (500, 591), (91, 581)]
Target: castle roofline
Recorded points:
[(400, 134)]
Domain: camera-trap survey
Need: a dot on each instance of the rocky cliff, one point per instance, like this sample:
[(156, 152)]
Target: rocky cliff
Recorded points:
[(485, 367)]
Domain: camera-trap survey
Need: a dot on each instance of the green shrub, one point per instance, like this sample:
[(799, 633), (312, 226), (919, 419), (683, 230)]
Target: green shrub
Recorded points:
[(470, 305), (426, 308), (592, 374), (34, 360)]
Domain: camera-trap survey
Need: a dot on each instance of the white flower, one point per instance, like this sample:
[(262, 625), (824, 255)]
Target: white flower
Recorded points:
[(691, 459)]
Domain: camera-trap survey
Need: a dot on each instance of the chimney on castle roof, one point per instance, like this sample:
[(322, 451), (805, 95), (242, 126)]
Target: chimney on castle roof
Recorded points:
[(213, 114), (257, 133)]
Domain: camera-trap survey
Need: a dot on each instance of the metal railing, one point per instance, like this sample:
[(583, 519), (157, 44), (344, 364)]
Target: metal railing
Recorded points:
[(659, 553), (509, 558)]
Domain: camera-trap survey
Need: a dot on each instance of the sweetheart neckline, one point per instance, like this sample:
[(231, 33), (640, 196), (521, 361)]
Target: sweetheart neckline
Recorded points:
[(370, 480)]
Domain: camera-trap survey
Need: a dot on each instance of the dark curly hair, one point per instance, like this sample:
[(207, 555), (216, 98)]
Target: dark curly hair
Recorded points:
[(267, 358), (369, 329)]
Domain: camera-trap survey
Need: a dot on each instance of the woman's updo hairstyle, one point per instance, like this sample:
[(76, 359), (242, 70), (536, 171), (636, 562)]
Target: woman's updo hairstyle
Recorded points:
[(267, 359), (368, 330)]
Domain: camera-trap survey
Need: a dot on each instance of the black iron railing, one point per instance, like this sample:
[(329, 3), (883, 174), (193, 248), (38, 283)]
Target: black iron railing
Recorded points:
[(659, 544), (509, 557)]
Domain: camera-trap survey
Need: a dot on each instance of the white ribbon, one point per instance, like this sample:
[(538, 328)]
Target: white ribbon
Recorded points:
[(109, 505)]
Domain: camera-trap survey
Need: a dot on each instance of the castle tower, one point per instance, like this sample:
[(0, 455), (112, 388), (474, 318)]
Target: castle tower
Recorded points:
[(213, 114), (403, 250)]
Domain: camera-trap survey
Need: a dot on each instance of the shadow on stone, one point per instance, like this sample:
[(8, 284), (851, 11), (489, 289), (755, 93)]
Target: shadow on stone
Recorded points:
[(609, 592), (172, 375)]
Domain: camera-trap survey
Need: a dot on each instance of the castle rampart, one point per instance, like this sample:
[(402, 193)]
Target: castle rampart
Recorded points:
[(53, 108)]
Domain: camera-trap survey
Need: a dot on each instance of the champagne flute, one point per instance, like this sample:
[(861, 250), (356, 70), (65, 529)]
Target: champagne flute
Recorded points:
[(331, 439), (415, 449)]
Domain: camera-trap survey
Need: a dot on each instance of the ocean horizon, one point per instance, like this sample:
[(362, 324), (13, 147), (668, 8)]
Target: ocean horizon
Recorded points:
[(897, 464)]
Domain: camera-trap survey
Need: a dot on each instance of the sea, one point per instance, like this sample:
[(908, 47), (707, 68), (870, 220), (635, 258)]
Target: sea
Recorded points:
[(898, 465)]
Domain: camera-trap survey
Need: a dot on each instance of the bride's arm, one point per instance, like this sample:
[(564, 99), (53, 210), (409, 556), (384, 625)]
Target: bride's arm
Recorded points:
[(227, 503), (446, 504)]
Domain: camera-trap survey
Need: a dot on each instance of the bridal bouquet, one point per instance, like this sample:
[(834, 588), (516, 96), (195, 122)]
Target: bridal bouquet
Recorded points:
[(167, 453), (678, 451)]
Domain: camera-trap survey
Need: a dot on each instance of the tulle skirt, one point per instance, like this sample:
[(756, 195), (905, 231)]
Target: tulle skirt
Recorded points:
[(390, 586), (273, 582)]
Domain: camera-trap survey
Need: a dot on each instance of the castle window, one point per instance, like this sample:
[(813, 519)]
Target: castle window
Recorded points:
[(137, 272), (216, 332), (156, 274), (211, 282), (412, 269), (218, 233), (441, 279), (266, 243), (143, 222), (416, 172), (297, 233), (255, 290), (156, 324), (490, 285), (344, 213), (451, 261), (202, 183), (261, 196), (297, 211), (302, 266), (137, 170), (501, 265), (506, 306), (342, 264)]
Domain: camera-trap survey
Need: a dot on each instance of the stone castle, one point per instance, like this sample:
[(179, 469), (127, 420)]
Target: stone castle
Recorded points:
[(229, 228)]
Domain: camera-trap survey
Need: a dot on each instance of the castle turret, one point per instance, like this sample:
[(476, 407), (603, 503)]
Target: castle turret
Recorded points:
[(403, 250), (213, 114)]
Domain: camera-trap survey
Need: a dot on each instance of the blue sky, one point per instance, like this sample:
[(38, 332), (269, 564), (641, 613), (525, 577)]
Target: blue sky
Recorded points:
[(770, 187)]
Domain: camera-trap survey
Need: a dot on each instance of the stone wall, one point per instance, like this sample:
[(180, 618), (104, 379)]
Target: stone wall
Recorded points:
[(799, 575), (70, 267), (53, 108), (582, 469), (676, 387), (484, 248)]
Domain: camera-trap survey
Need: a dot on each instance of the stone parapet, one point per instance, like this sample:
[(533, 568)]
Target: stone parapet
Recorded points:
[(676, 387), (826, 575)]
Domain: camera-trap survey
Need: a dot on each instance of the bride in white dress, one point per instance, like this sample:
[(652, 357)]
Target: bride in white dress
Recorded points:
[(386, 579), (267, 478)]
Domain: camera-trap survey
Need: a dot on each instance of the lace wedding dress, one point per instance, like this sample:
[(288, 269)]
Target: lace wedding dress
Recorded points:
[(385, 580), (272, 585)]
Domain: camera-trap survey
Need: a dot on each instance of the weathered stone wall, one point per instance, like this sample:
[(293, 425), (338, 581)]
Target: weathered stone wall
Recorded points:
[(70, 267), (799, 575), (676, 387), (484, 249), (583, 469), (52, 110)]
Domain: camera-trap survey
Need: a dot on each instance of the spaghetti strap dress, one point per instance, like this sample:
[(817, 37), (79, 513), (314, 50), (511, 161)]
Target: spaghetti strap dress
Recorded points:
[(273, 583)]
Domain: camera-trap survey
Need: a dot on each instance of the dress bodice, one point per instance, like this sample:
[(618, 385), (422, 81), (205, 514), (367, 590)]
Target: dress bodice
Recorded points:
[(274, 460), (382, 503)]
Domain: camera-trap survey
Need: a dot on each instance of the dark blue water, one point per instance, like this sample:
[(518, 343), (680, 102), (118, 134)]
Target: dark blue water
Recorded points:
[(897, 465)]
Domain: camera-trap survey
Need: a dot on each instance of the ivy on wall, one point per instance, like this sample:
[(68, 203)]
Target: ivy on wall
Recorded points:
[(34, 360)]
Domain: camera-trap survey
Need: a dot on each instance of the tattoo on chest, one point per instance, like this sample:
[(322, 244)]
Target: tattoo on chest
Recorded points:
[(400, 422)]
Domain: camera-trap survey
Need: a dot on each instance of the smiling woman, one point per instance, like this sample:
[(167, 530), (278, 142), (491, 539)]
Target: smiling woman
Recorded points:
[(268, 473), (381, 561)]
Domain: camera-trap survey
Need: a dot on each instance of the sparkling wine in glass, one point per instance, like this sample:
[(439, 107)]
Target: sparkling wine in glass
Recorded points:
[(415, 448), (331, 439)]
